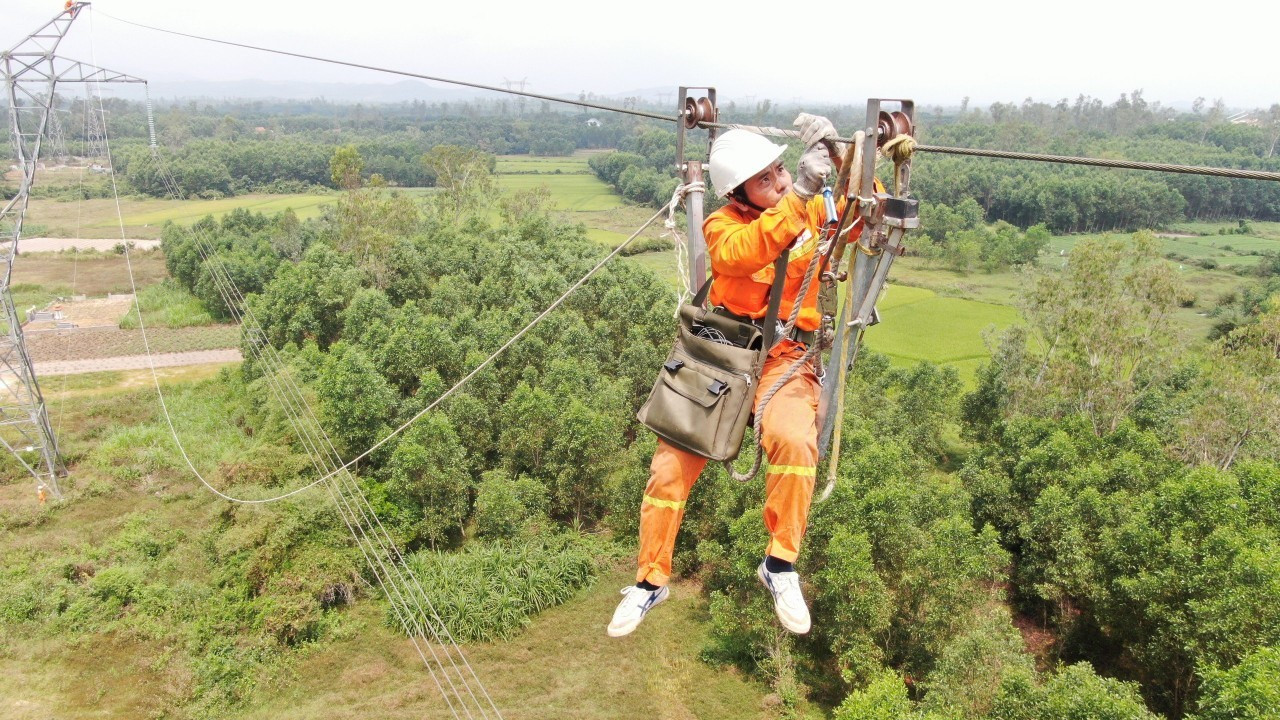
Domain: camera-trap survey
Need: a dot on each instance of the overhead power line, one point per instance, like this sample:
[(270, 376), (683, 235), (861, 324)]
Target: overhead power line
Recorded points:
[(405, 73), (1037, 157), (775, 132), (1101, 162)]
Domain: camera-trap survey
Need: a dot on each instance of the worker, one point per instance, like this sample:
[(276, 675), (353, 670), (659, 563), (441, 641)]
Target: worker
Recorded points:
[(766, 214)]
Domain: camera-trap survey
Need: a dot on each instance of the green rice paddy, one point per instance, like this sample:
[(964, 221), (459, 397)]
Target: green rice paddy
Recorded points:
[(920, 325), (570, 193), (525, 164)]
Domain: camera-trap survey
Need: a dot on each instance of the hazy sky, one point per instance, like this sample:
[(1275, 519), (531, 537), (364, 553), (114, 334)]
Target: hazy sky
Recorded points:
[(1005, 50)]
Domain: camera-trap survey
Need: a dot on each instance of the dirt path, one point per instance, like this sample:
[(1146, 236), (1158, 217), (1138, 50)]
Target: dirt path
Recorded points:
[(47, 244), (136, 362)]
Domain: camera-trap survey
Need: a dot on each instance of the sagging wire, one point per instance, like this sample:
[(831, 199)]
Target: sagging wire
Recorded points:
[(405, 589), (372, 550), (375, 545)]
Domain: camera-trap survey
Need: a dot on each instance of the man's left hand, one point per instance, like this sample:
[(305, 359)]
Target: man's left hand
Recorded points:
[(814, 128)]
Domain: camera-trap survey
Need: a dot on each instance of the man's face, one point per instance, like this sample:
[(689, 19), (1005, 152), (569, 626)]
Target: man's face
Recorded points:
[(767, 187)]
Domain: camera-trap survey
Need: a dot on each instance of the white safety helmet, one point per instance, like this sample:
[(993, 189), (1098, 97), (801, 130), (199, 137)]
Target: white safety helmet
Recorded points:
[(737, 155)]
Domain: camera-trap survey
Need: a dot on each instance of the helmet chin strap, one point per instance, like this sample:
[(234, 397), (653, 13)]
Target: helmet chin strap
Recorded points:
[(739, 198)]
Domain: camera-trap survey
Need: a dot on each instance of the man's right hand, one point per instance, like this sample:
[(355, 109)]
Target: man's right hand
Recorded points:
[(813, 171)]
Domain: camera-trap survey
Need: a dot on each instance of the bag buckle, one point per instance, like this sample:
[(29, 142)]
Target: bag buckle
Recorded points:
[(673, 365), (718, 387)]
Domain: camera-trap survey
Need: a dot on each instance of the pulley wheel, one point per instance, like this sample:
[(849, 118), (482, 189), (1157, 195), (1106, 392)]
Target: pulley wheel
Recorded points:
[(901, 123), (707, 111), (690, 113), (698, 110), (885, 129)]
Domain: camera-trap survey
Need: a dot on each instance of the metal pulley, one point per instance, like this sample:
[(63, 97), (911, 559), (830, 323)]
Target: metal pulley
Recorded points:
[(892, 124), (698, 110)]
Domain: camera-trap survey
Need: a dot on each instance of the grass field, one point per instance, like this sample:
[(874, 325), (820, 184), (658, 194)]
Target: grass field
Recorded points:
[(305, 206), (573, 187), (1226, 250), (143, 217), (1210, 229), (562, 666)]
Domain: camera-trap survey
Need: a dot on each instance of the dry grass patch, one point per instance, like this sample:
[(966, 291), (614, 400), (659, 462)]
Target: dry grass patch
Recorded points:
[(562, 666), (88, 273)]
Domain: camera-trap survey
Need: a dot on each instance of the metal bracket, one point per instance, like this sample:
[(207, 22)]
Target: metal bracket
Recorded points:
[(693, 109)]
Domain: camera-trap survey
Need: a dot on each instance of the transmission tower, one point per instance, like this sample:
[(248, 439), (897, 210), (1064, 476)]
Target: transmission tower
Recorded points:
[(521, 82), (32, 72)]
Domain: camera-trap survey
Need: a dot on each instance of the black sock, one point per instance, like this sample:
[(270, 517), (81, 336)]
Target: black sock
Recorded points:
[(777, 565), (646, 585)]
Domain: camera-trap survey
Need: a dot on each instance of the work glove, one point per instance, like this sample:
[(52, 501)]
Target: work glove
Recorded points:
[(814, 128), (812, 173)]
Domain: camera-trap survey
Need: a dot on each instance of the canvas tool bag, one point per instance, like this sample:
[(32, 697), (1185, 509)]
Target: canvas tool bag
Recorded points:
[(702, 399)]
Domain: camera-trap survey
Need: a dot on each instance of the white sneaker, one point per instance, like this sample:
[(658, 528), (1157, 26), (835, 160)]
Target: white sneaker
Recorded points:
[(636, 603), (788, 603)]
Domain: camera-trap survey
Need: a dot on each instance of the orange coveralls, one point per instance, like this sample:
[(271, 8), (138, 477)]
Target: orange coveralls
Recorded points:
[(742, 245)]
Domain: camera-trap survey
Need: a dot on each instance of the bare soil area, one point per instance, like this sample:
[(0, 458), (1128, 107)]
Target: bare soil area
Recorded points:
[(87, 344), (137, 362)]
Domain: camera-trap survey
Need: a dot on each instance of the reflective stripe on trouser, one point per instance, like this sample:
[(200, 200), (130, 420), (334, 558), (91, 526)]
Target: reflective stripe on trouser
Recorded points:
[(790, 439)]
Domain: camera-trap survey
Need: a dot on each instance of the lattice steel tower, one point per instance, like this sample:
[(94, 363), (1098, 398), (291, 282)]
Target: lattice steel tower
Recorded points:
[(31, 74)]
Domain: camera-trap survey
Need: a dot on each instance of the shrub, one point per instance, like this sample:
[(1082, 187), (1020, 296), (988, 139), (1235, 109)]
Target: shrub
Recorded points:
[(491, 591), (504, 506), (120, 584)]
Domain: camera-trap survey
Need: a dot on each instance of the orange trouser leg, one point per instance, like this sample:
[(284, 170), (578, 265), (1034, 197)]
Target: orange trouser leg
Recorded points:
[(789, 434), (671, 476)]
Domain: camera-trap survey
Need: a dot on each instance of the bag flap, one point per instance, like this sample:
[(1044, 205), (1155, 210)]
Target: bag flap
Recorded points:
[(729, 358), (693, 385)]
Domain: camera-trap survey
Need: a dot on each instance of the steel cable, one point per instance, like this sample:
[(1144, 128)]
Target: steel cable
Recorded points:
[(1102, 162), (405, 73)]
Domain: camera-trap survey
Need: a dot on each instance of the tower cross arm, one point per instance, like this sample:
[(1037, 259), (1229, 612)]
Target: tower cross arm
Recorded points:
[(76, 71), (60, 69)]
